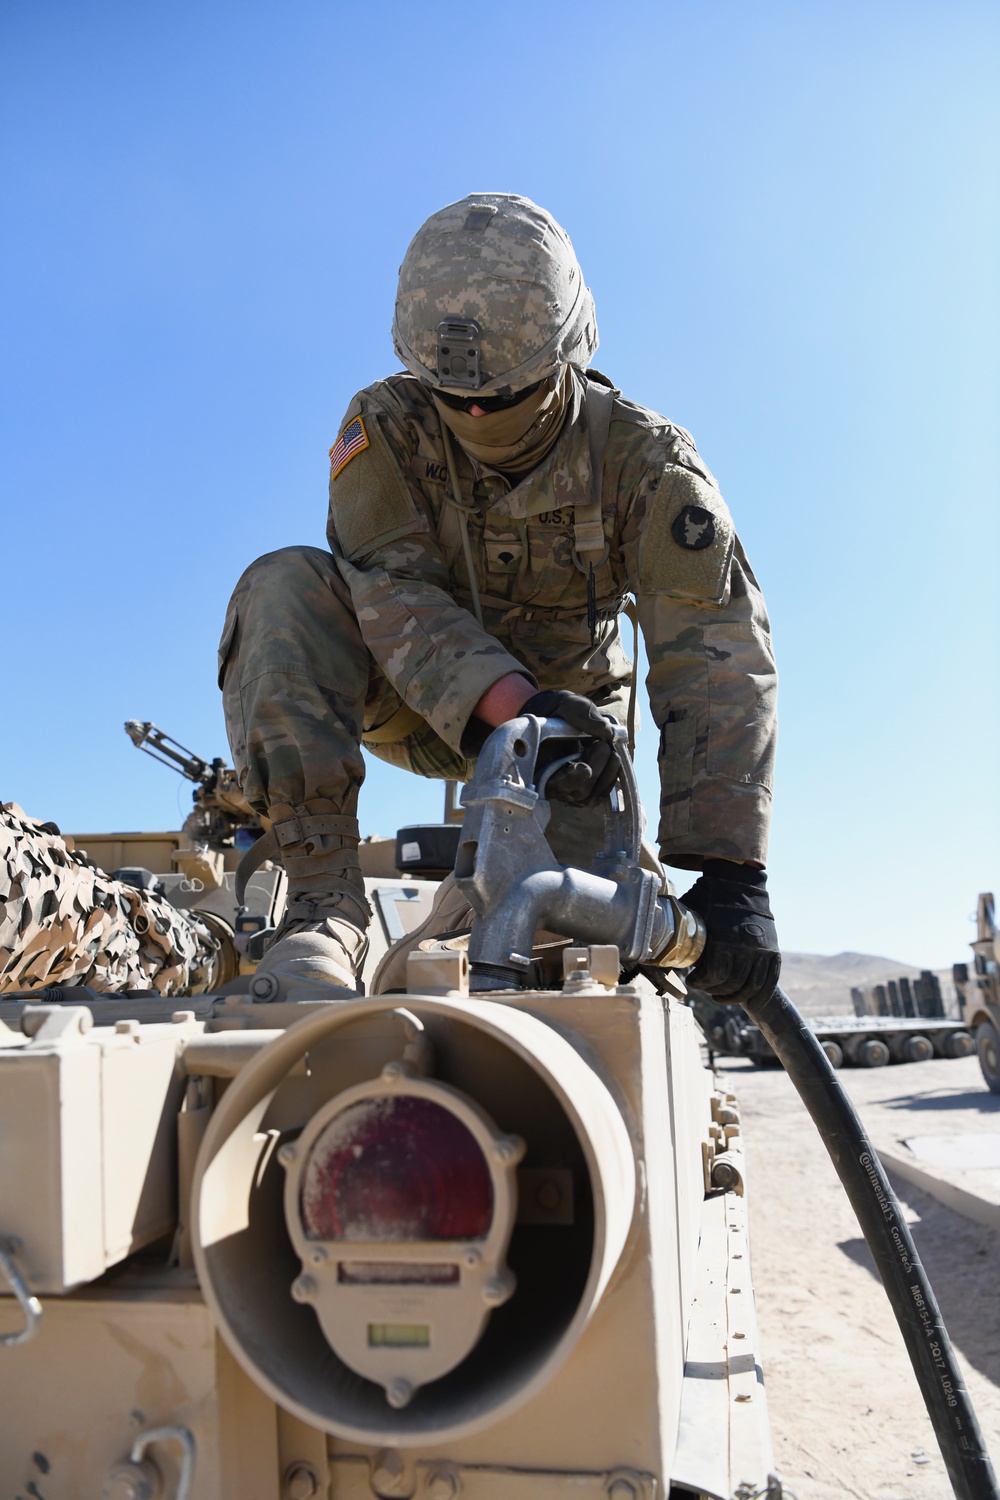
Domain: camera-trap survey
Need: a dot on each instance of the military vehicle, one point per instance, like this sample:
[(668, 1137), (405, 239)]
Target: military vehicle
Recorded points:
[(979, 992), (484, 1236), (545, 1291), (860, 1042)]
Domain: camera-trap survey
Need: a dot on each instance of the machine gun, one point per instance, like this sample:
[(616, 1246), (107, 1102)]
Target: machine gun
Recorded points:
[(221, 818)]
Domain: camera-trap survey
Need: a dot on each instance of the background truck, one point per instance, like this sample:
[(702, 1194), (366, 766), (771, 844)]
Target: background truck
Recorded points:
[(979, 991), (864, 1041)]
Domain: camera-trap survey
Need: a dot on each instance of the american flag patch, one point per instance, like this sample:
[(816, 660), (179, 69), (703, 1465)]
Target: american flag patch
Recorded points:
[(353, 439)]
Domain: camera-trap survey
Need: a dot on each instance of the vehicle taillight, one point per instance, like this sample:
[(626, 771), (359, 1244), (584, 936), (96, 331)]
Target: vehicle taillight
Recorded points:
[(396, 1168)]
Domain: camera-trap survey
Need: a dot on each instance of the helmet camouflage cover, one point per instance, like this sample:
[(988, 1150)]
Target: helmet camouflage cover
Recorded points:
[(504, 264)]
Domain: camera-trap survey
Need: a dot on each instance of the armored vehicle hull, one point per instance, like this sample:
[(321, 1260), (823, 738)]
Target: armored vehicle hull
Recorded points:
[(184, 1343)]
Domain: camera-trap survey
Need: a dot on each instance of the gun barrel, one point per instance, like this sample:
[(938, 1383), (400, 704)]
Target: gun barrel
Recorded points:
[(169, 752)]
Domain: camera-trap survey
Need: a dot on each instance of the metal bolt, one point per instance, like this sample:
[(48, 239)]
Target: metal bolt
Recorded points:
[(129, 1481), (549, 1195), (263, 987), (303, 1289), (398, 1393), (725, 1175), (301, 1482), (509, 1148), (317, 1255), (622, 1489), (472, 1256), (388, 1473), (443, 1484)]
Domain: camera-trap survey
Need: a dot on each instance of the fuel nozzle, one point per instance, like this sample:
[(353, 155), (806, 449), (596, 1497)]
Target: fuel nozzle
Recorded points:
[(683, 935), (508, 872)]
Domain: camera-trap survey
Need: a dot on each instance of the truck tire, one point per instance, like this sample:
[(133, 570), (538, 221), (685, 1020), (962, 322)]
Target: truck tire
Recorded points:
[(916, 1049), (873, 1053), (834, 1053), (734, 1037), (958, 1044), (988, 1047)]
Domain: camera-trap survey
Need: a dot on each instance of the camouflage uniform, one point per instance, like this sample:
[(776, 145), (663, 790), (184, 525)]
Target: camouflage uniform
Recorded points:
[(375, 641)]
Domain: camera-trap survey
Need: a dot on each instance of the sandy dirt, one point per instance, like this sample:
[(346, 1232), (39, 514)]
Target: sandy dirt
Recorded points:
[(846, 1413)]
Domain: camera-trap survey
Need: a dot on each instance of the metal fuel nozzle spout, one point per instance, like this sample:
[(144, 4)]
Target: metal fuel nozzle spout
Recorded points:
[(512, 880)]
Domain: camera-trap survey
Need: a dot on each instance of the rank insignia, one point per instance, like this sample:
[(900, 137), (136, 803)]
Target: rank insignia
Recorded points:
[(352, 441), (693, 528)]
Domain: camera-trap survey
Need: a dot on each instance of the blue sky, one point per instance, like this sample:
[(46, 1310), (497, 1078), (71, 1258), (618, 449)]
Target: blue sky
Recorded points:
[(790, 220)]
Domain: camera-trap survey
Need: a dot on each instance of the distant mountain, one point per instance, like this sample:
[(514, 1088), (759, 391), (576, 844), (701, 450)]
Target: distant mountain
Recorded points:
[(820, 984)]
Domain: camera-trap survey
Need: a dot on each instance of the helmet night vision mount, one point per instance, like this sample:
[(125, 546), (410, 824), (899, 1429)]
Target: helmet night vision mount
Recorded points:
[(458, 353)]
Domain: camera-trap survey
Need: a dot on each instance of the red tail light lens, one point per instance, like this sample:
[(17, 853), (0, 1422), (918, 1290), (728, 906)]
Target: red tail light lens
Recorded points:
[(396, 1168)]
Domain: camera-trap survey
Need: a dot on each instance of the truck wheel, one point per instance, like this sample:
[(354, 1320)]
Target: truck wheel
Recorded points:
[(834, 1053), (988, 1047), (733, 1036), (958, 1044), (916, 1049), (873, 1053)]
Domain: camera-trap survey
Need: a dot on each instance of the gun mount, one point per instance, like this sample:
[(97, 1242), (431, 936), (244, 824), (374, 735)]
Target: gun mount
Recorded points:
[(221, 818)]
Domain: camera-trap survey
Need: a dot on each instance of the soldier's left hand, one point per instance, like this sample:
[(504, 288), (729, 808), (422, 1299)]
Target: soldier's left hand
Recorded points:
[(589, 778), (741, 962)]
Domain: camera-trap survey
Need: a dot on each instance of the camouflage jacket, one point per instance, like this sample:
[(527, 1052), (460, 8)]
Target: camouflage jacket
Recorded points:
[(397, 538)]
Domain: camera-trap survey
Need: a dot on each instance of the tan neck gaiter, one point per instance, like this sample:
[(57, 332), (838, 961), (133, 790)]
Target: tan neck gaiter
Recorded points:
[(517, 439)]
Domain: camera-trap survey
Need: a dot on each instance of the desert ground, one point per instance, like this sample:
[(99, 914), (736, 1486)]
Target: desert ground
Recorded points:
[(846, 1413)]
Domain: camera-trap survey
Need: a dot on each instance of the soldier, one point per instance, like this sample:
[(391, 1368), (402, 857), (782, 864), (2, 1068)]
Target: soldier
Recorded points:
[(490, 511)]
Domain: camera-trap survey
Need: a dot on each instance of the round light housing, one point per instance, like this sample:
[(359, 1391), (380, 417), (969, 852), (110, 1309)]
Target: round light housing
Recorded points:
[(395, 1168), (400, 1200)]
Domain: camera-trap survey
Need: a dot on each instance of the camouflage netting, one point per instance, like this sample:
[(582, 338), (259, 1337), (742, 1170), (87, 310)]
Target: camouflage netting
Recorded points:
[(63, 921)]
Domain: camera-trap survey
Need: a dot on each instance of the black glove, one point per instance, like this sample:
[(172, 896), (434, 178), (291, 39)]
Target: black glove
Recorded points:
[(741, 961), (586, 780)]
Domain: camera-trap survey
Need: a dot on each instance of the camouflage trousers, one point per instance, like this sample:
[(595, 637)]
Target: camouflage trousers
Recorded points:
[(300, 687), (301, 691)]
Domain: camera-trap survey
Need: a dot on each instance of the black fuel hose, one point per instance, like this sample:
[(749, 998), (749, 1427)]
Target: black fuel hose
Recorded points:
[(890, 1242)]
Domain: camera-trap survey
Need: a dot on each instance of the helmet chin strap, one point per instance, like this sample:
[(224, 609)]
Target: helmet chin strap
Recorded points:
[(517, 439)]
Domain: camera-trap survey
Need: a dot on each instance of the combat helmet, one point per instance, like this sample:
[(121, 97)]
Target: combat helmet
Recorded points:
[(491, 298)]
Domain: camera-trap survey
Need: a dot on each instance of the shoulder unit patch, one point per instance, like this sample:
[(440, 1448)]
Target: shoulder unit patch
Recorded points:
[(694, 528), (352, 441)]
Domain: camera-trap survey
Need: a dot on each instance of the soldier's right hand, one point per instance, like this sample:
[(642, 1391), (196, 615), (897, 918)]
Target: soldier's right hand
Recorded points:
[(742, 961), (589, 778)]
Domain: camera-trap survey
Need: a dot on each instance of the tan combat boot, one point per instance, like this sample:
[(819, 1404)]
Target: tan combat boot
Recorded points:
[(322, 935), (450, 917)]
